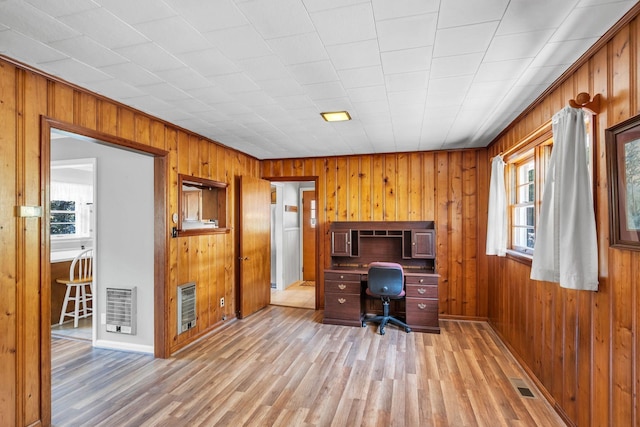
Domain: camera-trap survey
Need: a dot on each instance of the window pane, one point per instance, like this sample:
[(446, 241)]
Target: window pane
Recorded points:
[(61, 229), (524, 237), (57, 217), (524, 216), (63, 205)]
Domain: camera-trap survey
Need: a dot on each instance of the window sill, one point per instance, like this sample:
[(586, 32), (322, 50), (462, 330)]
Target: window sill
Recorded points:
[(520, 257)]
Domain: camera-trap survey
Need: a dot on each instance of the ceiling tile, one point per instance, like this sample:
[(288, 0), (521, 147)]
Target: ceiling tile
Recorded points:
[(313, 72), (264, 68), (367, 94), (115, 89), (523, 15), (209, 62), (74, 71), (63, 7), (361, 77), (461, 40), (26, 49), (138, 11), (458, 65), (150, 56), (586, 22), (104, 27), (32, 22), (209, 15), (277, 18), (184, 78), (87, 50), (345, 24), (325, 90), (380, 106), (165, 91), (298, 48), (516, 46), (385, 9), (354, 55), (236, 83), (560, 53), (316, 5), (131, 73), (455, 13), (282, 87), (164, 31), (406, 61), (239, 42), (407, 81), (405, 33), (501, 70)]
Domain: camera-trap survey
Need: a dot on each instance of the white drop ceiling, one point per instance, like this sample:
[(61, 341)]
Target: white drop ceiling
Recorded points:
[(255, 74)]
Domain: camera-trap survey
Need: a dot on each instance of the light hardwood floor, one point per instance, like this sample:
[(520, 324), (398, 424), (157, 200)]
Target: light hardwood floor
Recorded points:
[(283, 367), (296, 295)]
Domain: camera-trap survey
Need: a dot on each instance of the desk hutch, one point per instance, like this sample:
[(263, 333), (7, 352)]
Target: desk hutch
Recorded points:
[(356, 244)]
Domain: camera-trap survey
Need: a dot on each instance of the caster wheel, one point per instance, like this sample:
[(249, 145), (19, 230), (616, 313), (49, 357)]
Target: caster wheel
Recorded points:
[(381, 331), (364, 324), (407, 330)]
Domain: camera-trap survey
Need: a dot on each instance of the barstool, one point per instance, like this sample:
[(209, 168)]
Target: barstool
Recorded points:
[(79, 288)]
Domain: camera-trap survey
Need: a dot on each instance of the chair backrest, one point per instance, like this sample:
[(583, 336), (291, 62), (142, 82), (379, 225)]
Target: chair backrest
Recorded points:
[(385, 278), (82, 266)]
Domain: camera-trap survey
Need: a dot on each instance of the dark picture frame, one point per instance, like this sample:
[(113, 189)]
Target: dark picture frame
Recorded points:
[(623, 170)]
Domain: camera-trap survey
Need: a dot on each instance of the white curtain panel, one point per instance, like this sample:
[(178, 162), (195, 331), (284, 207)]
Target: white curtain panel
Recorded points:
[(497, 220), (566, 249)]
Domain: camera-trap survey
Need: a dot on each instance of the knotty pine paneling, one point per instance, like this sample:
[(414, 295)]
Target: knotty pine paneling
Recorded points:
[(580, 346), (420, 186), (26, 96)]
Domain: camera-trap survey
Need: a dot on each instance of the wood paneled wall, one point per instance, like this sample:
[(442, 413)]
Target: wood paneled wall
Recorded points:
[(441, 186), (25, 96), (581, 346)]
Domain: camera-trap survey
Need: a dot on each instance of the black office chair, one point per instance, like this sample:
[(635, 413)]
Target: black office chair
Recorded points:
[(385, 280)]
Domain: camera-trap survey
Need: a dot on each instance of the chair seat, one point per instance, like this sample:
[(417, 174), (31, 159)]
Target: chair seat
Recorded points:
[(75, 281)]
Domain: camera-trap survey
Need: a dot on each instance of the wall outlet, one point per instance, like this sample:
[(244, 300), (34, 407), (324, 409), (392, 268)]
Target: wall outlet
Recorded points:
[(222, 302)]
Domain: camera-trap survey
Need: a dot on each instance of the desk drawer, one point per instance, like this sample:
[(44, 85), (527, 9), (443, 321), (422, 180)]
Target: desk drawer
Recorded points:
[(342, 287), (421, 291), (421, 280), (342, 306), (341, 277), (422, 311)]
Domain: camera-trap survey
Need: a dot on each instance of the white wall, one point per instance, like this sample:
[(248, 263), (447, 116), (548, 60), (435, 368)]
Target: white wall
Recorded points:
[(124, 233)]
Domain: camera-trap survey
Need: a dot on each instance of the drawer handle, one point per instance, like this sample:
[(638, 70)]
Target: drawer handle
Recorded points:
[(342, 286), (422, 306), (342, 300), (341, 276), (421, 280), (421, 291)]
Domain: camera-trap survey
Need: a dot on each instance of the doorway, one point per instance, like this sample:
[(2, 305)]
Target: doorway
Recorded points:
[(294, 243)]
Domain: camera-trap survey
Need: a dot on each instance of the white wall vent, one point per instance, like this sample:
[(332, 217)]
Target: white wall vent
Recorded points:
[(121, 310), (186, 307)]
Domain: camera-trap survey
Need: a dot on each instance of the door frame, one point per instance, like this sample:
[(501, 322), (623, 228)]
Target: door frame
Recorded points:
[(161, 344), (313, 179)]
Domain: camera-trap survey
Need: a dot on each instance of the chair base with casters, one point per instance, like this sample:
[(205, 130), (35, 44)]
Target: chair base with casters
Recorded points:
[(385, 318)]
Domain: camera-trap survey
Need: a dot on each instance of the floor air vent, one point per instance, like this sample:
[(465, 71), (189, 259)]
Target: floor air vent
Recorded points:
[(522, 388), (186, 307), (121, 310)]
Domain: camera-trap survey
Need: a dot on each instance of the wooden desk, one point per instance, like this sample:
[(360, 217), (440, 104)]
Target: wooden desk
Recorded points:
[(346, 301), (356, 244)]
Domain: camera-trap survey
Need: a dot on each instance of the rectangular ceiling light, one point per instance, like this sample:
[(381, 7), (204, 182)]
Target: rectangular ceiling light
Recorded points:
[(336, 116)]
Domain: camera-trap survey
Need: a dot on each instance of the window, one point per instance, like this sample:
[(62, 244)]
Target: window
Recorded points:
[(523, 218), (63, 217), (526, 169)]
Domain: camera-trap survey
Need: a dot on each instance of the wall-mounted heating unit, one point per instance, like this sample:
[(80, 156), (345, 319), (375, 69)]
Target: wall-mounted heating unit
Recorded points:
[(186, 307), (121, 310)]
